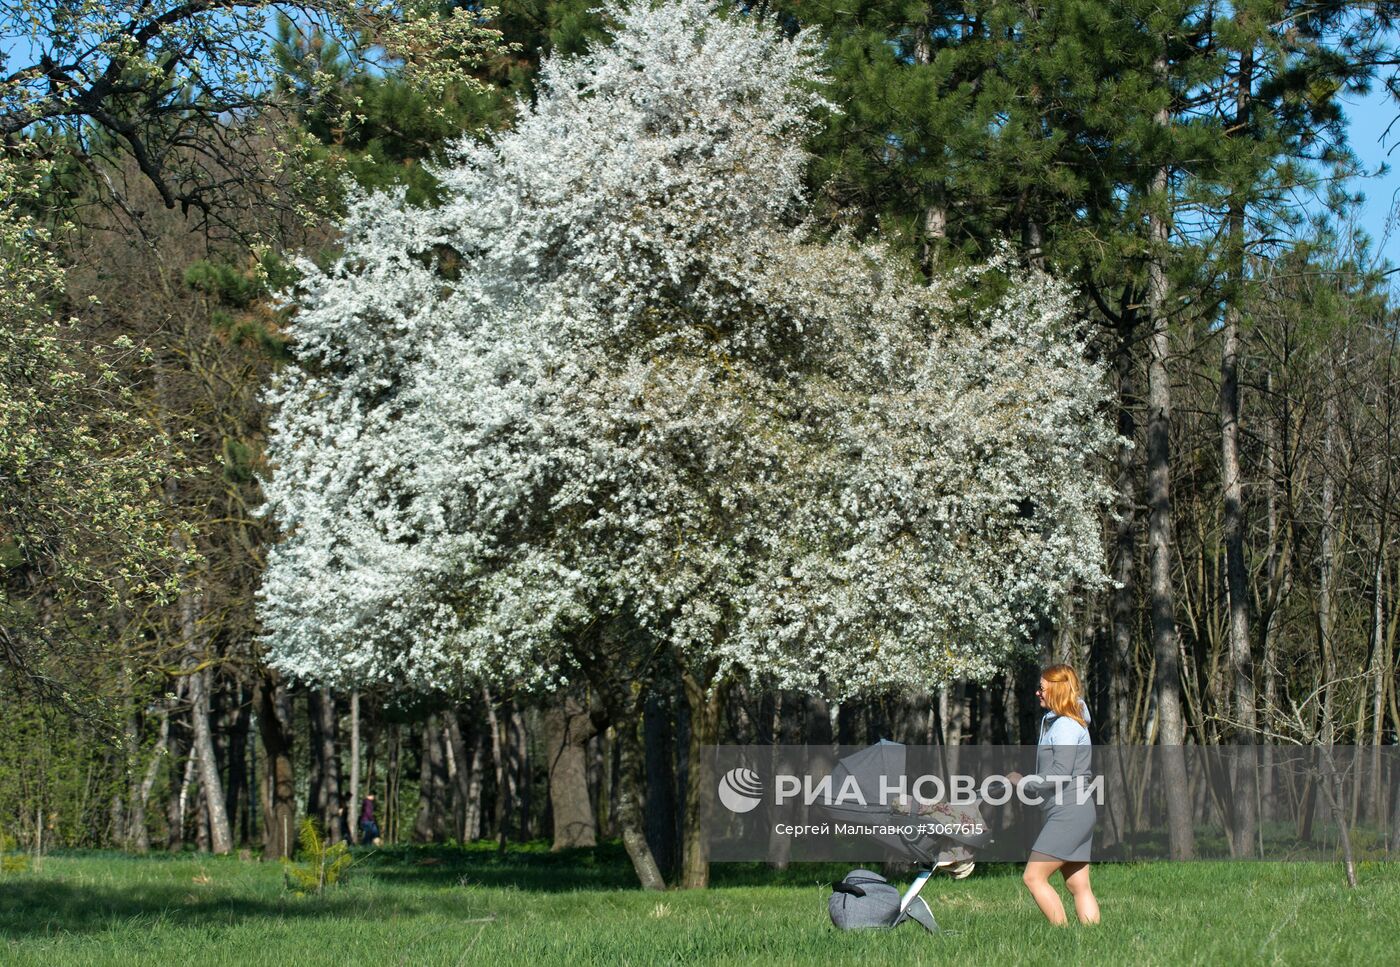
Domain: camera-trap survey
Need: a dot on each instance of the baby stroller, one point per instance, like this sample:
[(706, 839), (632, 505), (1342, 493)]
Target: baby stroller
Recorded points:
[(864, 899)]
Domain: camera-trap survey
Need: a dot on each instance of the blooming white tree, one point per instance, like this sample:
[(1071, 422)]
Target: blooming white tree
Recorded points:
[(615, 381)]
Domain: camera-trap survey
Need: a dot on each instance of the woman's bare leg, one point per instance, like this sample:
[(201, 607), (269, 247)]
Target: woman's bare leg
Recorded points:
[(1085, 903), (1037, 880)]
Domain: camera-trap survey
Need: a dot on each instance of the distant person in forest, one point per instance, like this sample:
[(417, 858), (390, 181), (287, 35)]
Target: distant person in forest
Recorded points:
[(342, 824), (1064, 840), (369, 829)]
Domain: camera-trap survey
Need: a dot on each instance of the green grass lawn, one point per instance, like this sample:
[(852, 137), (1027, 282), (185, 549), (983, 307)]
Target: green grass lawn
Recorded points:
[(533, 909)]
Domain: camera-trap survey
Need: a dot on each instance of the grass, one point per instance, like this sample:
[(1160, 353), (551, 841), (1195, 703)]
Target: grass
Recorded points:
[(533, 909)]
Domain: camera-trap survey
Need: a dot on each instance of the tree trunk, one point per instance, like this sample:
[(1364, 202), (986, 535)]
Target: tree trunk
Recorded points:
[(952, 712), (393, 785), (180, 805), (1380, 676), (1165, 645), (1124, 562), (631, 767), (499, 765), (179, 770), (1325, 564), (704, 693), (274, 706), (518, 775), (236, 792), (1280, 583), (459, 771), (659, 733), (623, 697), (220, 837), (935, 220), (124, 829), (471, 825), (430, 826), (1236, 577), (353, 806), (137, 837), (606, 754), (323, 794), (568, 727)]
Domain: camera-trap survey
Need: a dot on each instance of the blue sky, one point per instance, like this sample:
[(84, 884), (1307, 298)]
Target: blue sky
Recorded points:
[(1369, 116)]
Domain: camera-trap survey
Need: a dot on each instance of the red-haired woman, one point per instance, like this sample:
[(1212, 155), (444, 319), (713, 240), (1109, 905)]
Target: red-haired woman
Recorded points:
[(1064, 754)]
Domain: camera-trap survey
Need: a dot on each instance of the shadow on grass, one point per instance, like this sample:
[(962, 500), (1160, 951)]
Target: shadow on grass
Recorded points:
[(531, 867), (523, 866), (84, 892), (48, 907)]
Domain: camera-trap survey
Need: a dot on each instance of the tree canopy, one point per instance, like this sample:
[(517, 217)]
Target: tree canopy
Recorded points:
[(615, 375)]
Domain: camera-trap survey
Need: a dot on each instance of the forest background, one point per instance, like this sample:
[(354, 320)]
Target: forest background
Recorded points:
[(1188, 168)]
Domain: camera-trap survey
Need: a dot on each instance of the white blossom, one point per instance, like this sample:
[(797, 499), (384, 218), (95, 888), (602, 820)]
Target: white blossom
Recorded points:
[(614, 375)]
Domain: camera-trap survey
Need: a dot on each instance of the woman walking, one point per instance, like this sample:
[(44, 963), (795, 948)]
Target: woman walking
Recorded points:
[(369, 828), (1063, 760)]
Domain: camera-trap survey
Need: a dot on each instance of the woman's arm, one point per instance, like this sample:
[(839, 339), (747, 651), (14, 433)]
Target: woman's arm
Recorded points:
[(1064, 738)]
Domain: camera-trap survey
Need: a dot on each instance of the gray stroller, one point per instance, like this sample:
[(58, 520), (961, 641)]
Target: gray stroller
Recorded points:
[(863, 899)]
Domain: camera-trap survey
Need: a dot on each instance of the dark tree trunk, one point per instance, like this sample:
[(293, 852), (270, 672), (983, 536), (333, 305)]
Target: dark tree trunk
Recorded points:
[(274, 706), (1124, 564), (658, 738), (459, 769), (568, 727), (498, 762), (236, 795), (518, 774), (181, 769), (324, 787), (622, 696), (393, 785), (704, 693), (430, 825), (630, 768)]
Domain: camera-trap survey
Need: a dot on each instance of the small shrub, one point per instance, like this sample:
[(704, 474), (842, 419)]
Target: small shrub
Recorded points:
[(322, 865), (10, 861)]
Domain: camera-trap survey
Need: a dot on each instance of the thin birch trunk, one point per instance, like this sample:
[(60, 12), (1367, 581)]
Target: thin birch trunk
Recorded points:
[(182, 804), (471, 827), (137, 837), (353, 806), (1236, 577), (1325, 590), (498, 761), (459, 770), (1165, 646), (935, 220)]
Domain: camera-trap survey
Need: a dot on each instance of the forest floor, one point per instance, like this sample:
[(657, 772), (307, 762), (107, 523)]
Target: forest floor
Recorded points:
[(532, 909)]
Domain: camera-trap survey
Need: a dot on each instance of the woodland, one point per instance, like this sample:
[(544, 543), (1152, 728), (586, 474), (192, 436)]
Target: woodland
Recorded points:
[(485, 409)]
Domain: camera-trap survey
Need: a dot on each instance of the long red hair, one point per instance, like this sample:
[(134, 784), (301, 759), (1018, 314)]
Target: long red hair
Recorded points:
[(1063, 691)]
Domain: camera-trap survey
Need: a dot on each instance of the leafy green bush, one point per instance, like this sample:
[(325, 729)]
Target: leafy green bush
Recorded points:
[(10, 861)]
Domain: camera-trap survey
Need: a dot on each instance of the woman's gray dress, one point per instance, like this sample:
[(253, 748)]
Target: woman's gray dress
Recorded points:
[(1064, 750)]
